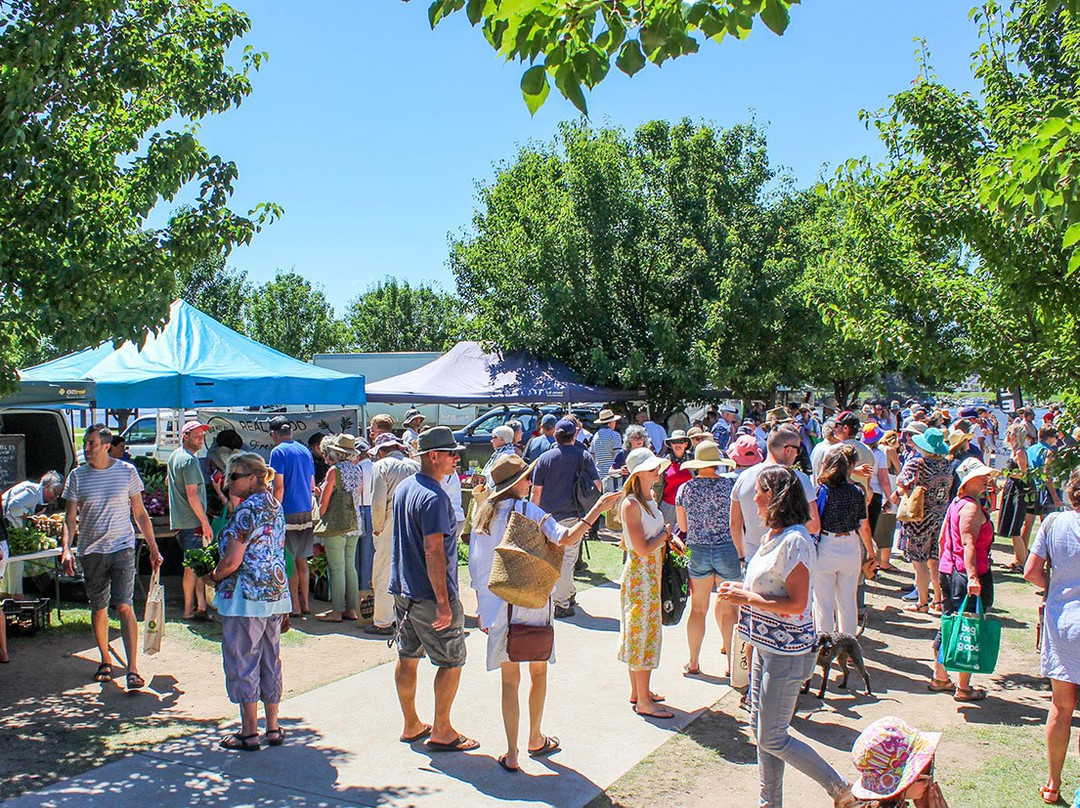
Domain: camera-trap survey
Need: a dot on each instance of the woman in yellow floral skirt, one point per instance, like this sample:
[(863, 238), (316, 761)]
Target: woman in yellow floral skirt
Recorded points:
[(645, 537)]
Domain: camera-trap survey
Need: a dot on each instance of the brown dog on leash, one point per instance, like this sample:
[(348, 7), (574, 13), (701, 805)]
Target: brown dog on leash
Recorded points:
[(842, 648)]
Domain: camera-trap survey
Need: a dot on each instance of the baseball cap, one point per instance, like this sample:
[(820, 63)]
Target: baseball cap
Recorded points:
[(850, 420), (566, 427), (279, 423), (192, 426), (549, 420)]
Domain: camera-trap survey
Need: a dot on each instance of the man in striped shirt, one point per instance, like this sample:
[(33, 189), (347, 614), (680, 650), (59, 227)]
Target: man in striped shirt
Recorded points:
[(103, 495)]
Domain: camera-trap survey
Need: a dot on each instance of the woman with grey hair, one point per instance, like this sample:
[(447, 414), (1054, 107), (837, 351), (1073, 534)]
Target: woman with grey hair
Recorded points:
[(252, 597), (340, 532), (634, 437)]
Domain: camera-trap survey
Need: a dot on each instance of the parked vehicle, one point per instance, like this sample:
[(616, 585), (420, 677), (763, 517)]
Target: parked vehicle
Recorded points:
[(48, 443), (476, 437)]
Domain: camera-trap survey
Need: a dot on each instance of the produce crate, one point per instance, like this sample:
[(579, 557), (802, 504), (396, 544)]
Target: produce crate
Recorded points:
[(26, 616)]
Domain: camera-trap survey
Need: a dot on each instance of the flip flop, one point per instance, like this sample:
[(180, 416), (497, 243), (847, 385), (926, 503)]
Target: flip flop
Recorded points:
[(243, 743), (278, 739), (103, 673), (655, 697), (550, 747), (1051, 796), (941, 686), (135, 682), (661, 714), (461, 744), (969, 694), (418, 736), (502, 762), (918, 607), (688, 671)]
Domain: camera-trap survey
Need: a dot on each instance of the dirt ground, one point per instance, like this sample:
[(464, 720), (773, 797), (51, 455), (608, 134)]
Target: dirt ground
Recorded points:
[(991, 753)]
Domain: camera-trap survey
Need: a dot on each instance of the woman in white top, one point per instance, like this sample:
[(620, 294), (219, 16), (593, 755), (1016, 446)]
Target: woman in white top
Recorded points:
[(510, 482)]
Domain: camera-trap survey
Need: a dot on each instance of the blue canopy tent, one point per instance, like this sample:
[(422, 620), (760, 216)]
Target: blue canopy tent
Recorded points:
[(195, 361), (467, 374)]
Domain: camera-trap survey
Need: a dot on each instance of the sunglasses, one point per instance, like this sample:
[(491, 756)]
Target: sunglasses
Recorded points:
[(238, 476)]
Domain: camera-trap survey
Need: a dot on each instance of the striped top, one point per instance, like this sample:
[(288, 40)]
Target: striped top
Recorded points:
[(104, 500), (605, 443)]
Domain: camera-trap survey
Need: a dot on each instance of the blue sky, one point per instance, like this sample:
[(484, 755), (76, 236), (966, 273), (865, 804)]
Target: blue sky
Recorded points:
[(372, 130)]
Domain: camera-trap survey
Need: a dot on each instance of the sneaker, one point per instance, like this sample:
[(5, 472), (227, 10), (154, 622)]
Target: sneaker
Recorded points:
[(568, 611), (913, 595), (379, 631)]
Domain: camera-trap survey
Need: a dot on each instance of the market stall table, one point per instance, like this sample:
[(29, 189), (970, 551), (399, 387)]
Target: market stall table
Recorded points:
[(53, 553)]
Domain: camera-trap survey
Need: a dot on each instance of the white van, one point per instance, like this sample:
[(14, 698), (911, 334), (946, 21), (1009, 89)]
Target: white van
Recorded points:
[(49, 445), (155, 436)]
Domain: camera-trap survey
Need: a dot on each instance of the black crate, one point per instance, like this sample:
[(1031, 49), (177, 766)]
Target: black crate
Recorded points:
[(26, 616)]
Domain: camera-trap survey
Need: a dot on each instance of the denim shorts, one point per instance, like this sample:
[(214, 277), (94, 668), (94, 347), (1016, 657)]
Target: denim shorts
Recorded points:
[(721, 560), (189, 538), (109, 578)]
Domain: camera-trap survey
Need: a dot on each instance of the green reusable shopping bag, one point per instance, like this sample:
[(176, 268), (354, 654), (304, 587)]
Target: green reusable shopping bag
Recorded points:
[(969, 642)]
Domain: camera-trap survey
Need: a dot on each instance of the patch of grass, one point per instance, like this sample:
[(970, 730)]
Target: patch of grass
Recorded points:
[(605, 561), (76, 619)]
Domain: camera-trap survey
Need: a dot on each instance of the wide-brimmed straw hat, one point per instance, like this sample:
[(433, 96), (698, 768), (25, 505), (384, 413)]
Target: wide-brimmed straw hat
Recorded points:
[(347, 443), (932, 441), (643, 459), (676, 434), (778, 415), (607, 416), (744, 451), (973, 467), (958, 437), (707, 456), (915, 428), (507, 471), (696, 432), (889, 755)]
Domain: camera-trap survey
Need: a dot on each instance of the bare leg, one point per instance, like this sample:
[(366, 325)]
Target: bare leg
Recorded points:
[(271, 710), (1020, 550), (1058, 729), (249, 718), (537, 697), (726, 616), (922, 581), (511, 709), (446, 685), (405, 682), (194, 593), (3, 640), (700, 592), (129, 630), (884, 554), (645, 703), (303, 584), (99, 620), (934, 579)]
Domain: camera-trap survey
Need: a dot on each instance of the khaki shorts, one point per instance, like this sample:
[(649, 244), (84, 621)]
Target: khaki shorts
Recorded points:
[(415, 637)]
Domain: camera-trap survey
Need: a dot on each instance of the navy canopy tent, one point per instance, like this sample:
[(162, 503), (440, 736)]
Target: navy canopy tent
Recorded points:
[(467, 374), (195, 361)]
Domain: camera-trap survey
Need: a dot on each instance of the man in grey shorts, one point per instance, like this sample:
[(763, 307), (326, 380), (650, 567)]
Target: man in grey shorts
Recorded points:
[(104, 494), (425, 588)]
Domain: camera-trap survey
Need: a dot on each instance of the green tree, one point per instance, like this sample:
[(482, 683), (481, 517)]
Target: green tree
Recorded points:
[(394, 316), (293, 316), (87, 90), (574, 42), (215, 289)]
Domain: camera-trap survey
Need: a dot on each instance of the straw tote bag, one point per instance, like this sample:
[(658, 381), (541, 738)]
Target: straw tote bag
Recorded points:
[(526, 565), (912, 506)]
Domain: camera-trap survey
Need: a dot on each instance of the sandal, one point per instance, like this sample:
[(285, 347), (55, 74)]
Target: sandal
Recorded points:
[(687, 670), (135, 682), (104, 673), (501, 759), (924, 608), (459, 744), (1051, 796), (658, 714), (969, 694), (244, 743), (655, 697), (936, 607), (418, 736), (278, 736), (941, 686), (551, 745)]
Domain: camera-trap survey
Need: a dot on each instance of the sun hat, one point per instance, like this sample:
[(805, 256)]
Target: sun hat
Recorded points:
[(729, 408), (890, 438), (895, 405), (697, 432), (871, 433), (412, 415), (973, 467), (744, 451), (192, 426), (778, 415), (507, 471), (914, 428), (504, 432), (549, 421), (566, 426), (607, 417), (932, 441), (387, 440), (676, 435), (346, 442), (889, 755), (438, 439), (707, 456), (644, 460), (958, 437)]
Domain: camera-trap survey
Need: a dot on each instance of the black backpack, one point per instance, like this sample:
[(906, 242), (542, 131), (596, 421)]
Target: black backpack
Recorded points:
[(585, 492)]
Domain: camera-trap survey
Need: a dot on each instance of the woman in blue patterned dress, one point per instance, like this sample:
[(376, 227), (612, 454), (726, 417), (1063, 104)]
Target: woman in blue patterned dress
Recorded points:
[(252, 596)]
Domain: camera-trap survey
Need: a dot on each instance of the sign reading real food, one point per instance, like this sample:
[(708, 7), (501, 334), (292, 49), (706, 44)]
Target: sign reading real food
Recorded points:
[(254, 427)]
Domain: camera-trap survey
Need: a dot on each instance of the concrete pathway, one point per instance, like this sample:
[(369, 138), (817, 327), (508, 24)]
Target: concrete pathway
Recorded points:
[(342, 746)]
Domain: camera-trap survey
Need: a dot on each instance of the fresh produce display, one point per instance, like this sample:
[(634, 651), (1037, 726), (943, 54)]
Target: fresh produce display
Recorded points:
[(202, 560), (155, 487), (318, 564), (51, 525), (27, 540)]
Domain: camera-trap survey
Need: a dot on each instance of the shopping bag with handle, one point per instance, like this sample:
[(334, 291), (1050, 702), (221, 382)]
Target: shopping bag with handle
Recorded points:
[(970, 642), (154, 617)]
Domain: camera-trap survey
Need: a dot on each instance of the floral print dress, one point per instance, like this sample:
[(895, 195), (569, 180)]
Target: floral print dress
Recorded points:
[(639, 598)]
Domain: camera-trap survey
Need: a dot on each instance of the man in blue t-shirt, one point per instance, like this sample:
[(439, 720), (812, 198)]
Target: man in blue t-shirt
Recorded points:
[(554, 481), (423, 581), (294, 483)]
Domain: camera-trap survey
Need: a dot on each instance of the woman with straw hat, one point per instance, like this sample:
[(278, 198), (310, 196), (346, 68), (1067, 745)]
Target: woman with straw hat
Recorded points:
[(645, 537), (338, 509), (927, 466), (510, 478), (703, 514), (967, 534)]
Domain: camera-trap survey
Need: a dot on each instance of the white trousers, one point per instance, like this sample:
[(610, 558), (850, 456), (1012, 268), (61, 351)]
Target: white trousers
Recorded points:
[(380, 579), (836, 582), (564, 587)]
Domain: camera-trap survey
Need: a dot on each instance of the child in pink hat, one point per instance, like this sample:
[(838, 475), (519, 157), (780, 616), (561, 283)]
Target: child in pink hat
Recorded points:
[(895, 764)]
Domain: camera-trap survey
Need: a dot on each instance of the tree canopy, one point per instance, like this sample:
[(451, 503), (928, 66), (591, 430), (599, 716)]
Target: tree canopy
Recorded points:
[(292, 315), (98, 101), (392, 315)]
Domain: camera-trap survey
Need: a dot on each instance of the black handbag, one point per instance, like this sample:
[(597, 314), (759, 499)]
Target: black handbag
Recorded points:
[(674, 590), (528, 643), (586, 493)]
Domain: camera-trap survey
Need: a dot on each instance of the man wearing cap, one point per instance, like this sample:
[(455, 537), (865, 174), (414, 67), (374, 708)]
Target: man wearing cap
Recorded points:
[(605, 442), (391, 466), (554, 483), (424, 583), (187, 510), (544, 441), (657, 434), (849, 429), (412, 422), (294, 485), (724, 429)]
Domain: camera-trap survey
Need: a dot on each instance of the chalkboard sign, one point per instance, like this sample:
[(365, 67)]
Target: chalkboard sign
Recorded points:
[(12, 460)]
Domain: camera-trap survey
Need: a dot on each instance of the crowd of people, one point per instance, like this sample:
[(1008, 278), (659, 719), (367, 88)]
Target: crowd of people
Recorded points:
[(783, 515)]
